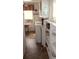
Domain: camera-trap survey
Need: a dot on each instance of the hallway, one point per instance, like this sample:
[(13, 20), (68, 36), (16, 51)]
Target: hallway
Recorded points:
[(33, 49)]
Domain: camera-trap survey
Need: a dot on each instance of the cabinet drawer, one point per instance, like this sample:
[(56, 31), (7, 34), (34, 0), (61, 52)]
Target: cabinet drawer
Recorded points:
[(51, 54)]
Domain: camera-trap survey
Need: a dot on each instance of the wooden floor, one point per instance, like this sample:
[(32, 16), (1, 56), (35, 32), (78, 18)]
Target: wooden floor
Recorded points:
[(33, 49)]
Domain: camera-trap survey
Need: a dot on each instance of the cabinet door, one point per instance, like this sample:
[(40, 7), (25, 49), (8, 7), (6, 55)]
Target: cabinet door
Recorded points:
[(52, 32), (53, 38), (38, 33)]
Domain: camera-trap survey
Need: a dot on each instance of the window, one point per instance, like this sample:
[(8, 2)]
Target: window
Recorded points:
[(28, 11), (28, 15)]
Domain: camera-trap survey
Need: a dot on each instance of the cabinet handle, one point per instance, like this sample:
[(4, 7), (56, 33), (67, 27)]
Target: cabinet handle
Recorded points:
[(46, 44), (54, 33)]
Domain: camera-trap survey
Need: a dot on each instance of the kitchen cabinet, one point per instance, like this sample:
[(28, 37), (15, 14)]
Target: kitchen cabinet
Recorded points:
[(38, 31), (49, 38)]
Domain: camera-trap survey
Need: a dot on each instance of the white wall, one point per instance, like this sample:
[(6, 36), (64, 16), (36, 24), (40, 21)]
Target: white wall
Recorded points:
[(54, 8), (24, 41)]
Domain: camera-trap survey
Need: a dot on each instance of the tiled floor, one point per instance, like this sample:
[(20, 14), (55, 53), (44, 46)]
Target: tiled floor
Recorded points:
[(33, 49)]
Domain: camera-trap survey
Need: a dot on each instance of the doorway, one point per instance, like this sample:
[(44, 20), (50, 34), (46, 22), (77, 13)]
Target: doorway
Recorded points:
[(32, 30)]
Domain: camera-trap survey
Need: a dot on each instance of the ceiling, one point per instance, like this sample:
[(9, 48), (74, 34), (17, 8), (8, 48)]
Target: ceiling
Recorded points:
[(31, 0)]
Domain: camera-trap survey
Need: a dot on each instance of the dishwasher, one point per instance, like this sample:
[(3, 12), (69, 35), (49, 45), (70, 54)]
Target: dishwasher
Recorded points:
[(38, 31)]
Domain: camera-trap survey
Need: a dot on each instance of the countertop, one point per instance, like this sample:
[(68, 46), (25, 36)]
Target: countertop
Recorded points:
[(53, 23)]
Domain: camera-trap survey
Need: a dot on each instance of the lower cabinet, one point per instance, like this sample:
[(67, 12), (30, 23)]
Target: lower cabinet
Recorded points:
[(38, 33), (50, 39), (51, 53)]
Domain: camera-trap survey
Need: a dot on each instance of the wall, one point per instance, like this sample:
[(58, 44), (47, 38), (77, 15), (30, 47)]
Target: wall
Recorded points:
[(54, 10), (36, 16), (24, 41), (50, 9), (52, 13)]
